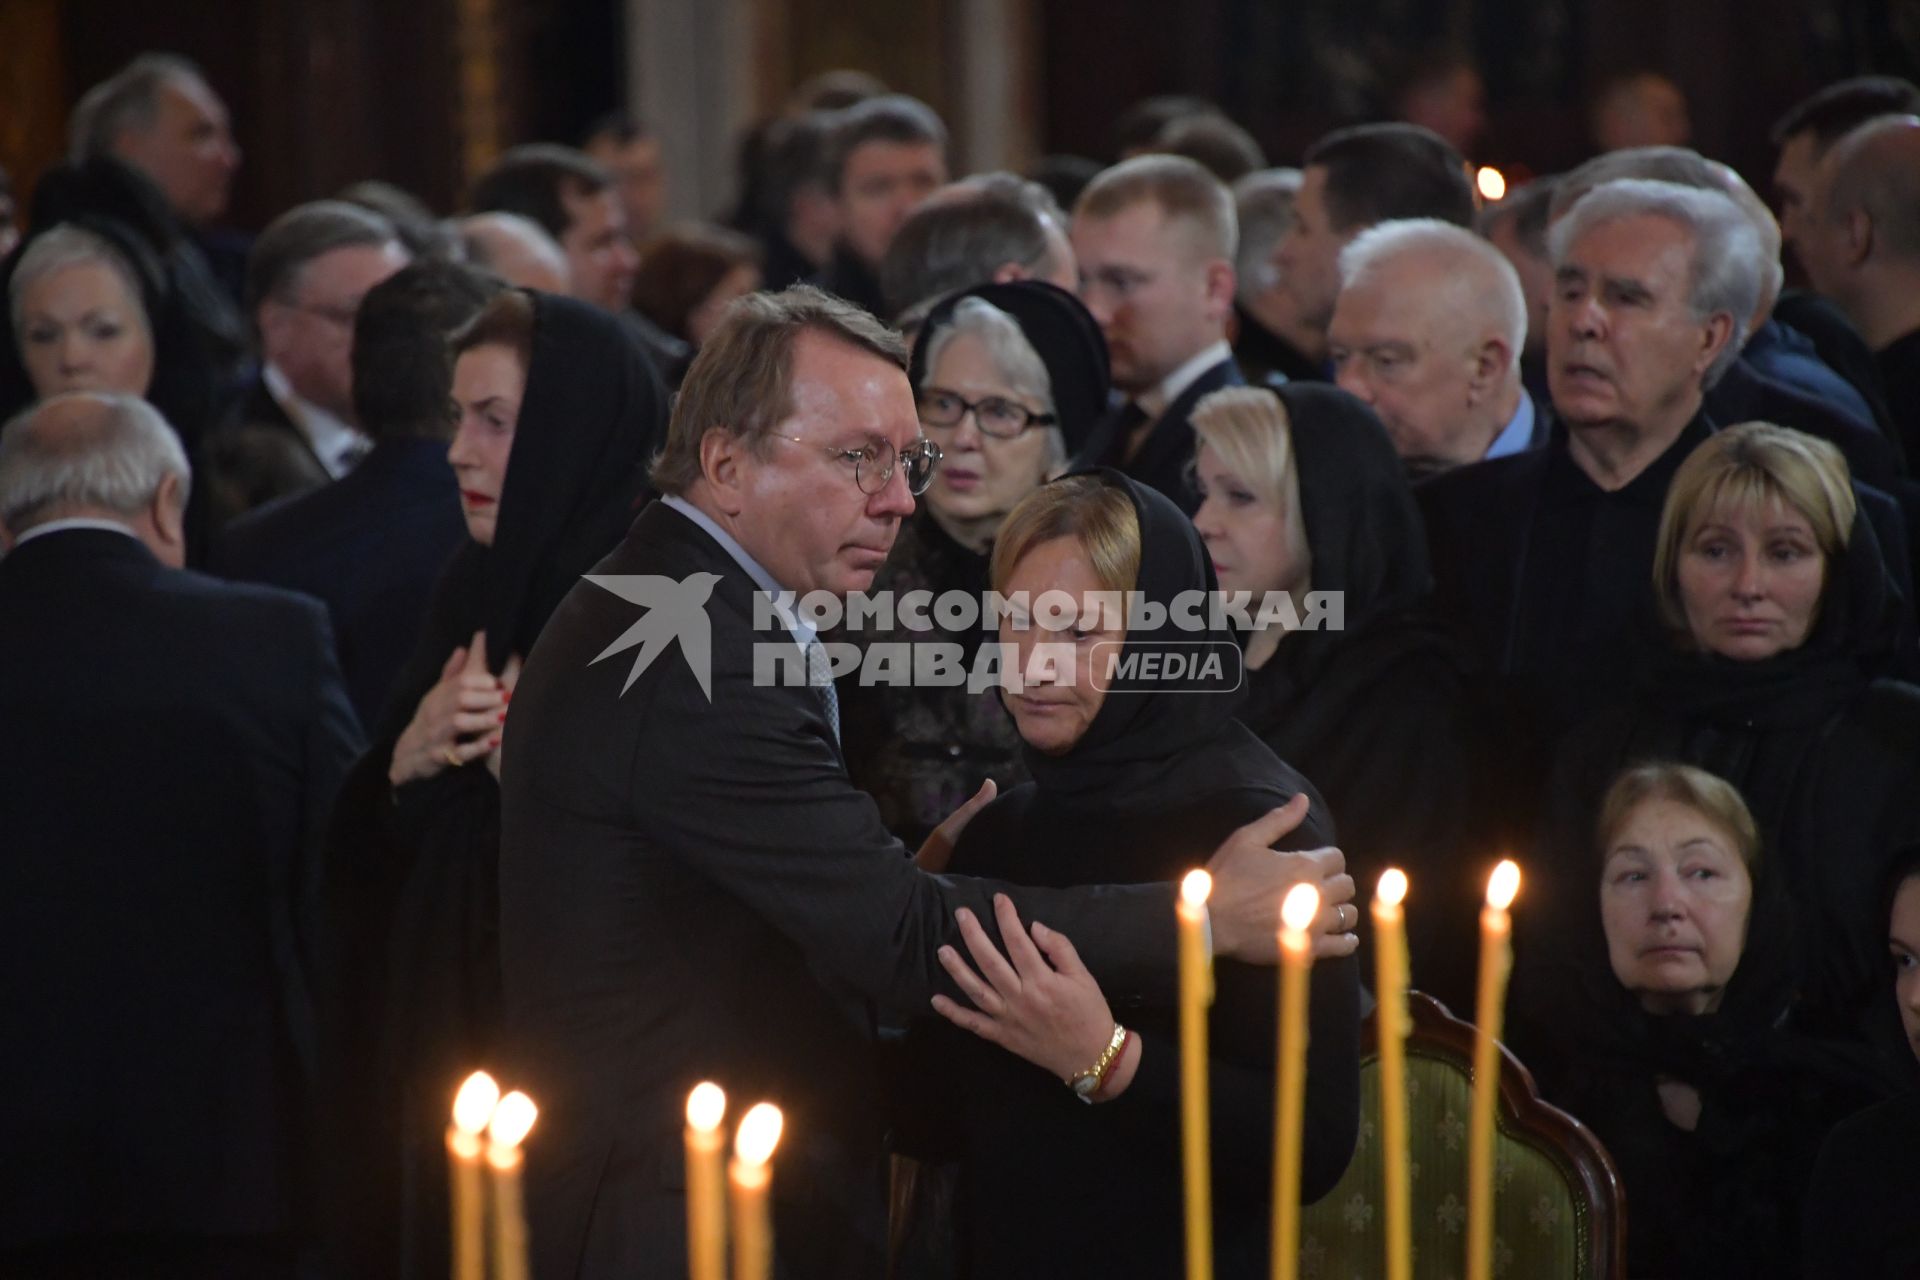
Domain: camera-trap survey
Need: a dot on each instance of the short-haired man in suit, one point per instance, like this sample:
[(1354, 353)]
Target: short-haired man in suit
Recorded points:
[(691, 887), (306, 277), (1428, 331), (1351, 179), (884, 156), (171, 751), (1155, 237), (1271, 337), (989, 228), (372, 545)]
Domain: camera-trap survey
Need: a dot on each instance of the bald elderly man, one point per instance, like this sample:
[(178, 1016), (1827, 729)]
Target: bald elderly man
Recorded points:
[(518, 250), (1428, 329), (1861, 248)]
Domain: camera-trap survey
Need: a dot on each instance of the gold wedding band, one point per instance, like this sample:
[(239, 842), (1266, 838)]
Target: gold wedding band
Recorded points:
[(450, 757)]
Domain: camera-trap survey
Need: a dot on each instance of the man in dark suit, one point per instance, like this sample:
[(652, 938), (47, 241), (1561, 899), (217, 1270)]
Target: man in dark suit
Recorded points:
[(172, 747), (1268, 343), (306, 277), (1155, 238), (1428, 330), (691, 888), (884, 156), (1545, 557), (372, 545)]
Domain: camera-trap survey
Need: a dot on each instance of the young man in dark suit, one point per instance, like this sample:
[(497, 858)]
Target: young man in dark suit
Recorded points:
[(1155, 239), (692, 889), (171, 751)]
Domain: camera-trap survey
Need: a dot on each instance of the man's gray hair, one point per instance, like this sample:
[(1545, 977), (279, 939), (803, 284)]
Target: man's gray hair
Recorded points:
[(114, 458), (1726, 259), (304, 233), (128, 99), (960, 236), (1263, 202), (66, 246), (1018, 364), (1477, 276), (1683, 167)]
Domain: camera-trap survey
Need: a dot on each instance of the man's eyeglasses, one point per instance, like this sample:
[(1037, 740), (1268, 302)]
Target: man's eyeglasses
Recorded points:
[(996, 416), (873, 463)]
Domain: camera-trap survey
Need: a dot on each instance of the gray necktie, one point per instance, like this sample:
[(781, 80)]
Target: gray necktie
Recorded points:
[(820, 679)]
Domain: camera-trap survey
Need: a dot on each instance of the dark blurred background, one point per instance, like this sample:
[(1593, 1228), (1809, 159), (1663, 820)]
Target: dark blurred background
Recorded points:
[(325, 92)]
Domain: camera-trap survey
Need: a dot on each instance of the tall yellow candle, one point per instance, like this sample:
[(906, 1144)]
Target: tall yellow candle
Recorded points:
[(472, 1108), (1496, 959), (751, 1173), (1196, 993), (1390, 959), (706, 1184), (1297, 913), (512, 1121)]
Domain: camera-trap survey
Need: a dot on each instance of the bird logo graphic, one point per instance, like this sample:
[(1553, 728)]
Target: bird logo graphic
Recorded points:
[(676, 609)]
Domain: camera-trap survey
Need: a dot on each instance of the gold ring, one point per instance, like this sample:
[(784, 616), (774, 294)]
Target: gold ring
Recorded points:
[(448, 755)]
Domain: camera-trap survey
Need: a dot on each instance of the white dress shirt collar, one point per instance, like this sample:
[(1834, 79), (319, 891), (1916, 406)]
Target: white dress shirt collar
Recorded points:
[(338, 444), (1154, 401)]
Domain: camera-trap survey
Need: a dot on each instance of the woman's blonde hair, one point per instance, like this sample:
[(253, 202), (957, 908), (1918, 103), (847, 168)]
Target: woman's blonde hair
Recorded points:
[(1745, 467), (1250, 430), (1710, 796), (1100, 516)]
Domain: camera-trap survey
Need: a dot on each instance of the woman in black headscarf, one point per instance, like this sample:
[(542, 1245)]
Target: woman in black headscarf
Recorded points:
[(1666, 1024), (1008, 377), (558, 414), (1783, 615), (1306, 507), (1134, 779)]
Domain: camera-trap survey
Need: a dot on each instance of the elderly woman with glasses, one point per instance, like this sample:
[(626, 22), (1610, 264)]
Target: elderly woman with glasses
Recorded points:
[(1003, 375)]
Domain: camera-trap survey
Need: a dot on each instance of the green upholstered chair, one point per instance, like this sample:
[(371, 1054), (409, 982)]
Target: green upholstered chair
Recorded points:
[(1559, 1212)]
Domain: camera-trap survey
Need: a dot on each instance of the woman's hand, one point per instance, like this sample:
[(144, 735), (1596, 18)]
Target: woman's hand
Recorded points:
[(937, 850), (509, 677), (456, 723), (1051, 1014)]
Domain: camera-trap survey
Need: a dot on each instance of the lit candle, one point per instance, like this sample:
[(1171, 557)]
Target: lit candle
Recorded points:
[(472, 1108), (1196, 993), (706, 1184), (1496, 958), (1297, 913), (1390, 956), (751, 1174), (512, 1120)]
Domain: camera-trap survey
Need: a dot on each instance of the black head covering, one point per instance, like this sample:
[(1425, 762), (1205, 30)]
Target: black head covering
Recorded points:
[(589, 422), (1061, 330), (1143, 725), (1854, 639)]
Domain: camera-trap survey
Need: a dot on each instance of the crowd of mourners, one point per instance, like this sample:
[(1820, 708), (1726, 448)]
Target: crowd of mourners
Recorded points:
[(1623, 533)]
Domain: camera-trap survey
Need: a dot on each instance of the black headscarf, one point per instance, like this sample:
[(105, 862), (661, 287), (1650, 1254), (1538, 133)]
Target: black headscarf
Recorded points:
[(1143, 726), (1853, 640), (592, 416), (1364, 533), (1061, 331)]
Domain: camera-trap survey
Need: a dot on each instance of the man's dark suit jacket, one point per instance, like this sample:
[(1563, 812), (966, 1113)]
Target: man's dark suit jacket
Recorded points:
[(258, 457), (1165, 457), (692, 889), (171, 746), (369, 546)]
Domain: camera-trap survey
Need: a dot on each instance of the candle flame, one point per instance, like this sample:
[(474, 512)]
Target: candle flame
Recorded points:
[(1195, 888), (1300, 906), (474, 1104), (1492, 183), (706, 1106), (1503, 884), (512, 1120), (759, 1134), (1392, 888)]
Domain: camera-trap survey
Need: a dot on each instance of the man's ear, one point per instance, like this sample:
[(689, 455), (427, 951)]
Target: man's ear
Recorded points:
[(1716, 334), (723, 465), (1489, 364), (1859, 237), (272, 317), (1221, 284), (166, 516)]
